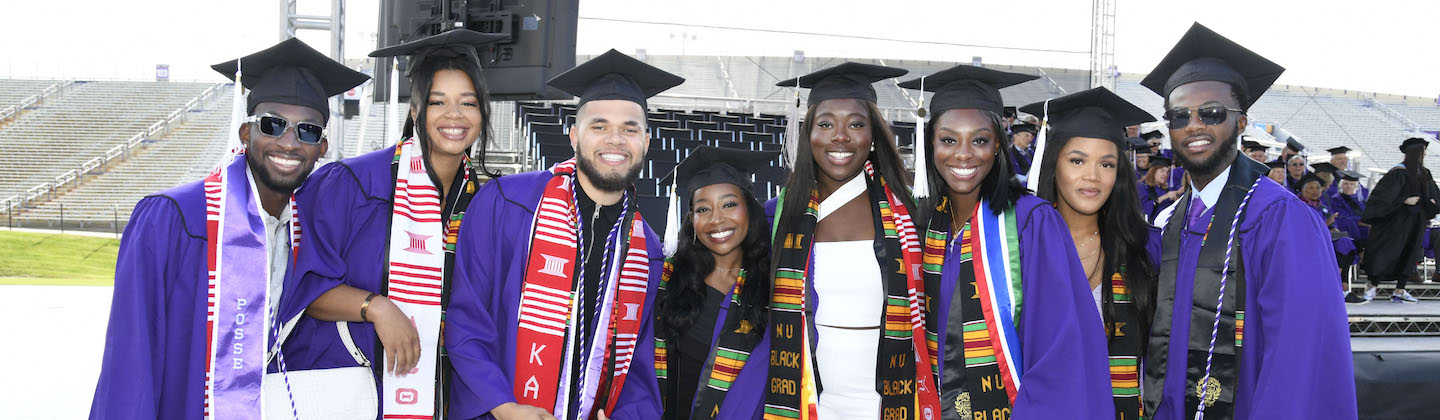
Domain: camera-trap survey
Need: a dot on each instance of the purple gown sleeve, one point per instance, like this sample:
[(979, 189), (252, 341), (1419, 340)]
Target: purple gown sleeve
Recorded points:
[(1066, 362), (1301, 365), (474, 335), (134, 379), (327, 204)]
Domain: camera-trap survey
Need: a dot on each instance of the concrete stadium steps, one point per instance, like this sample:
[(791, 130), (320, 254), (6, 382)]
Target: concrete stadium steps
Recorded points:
[(12, 91), (375, 126), (184, 155), (90, 119)]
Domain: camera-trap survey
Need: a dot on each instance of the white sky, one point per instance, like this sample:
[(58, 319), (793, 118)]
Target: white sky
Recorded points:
[(1386, 46)]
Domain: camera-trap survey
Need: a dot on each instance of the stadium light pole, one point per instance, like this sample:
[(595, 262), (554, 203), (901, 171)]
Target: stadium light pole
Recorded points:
[(290, 22)]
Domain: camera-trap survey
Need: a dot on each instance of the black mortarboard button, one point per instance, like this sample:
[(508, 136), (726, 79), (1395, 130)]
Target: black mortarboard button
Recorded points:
[(453, 43), (1276, 164), (845, 81), (1203, 55), (1324, 167), (615, 76), (968, 87), (1095, 113), (1252, 145), (1339, 150), (1413, 141), (291, 73)]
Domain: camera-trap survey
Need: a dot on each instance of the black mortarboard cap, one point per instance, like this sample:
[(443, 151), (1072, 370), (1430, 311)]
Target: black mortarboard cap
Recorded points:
[(1137, 143), (1339, 150), (1157, 160), (1294, 145), (291, 73), (1276, 164), (1024, 126), (968, 87), (615, 76), (1249, 145), (1413, 141), (1309, 177), (1009, 111), (453, 43), (1095, 113), (1350, 175), (1324, 167), (1203, 55), (709, 165), (845, 81)]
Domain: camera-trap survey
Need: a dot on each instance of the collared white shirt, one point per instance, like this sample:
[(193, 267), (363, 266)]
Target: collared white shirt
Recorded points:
[(277, 247), (1208, 195)]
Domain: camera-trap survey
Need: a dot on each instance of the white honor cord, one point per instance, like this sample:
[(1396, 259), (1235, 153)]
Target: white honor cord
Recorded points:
[(1215, 327)]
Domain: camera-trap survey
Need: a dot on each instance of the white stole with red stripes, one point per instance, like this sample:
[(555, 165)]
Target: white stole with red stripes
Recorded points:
[(416, 276)]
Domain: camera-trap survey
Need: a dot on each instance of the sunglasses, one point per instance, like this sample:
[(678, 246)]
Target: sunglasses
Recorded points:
[(274, 126), (1209, 114)]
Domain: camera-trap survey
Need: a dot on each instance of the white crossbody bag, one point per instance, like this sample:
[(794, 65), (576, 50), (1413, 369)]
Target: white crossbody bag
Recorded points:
[(336, 393)]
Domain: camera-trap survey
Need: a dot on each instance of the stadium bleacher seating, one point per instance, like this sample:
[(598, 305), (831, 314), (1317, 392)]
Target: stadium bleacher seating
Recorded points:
[(91, 117)]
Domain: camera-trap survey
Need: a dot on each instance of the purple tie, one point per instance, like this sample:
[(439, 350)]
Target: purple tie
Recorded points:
[(1197, 209)]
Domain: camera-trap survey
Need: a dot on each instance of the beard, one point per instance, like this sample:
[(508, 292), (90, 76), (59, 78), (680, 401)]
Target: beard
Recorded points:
[(1223, 156), (603, 182), (264, 177)]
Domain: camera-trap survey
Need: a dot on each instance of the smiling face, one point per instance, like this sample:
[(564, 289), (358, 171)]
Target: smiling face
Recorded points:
[(609, 139), (452, 113), (1160, 176), (1205, 149), (719, 215), (840, 139), (965, 144), (1085, 174), (282, 163)]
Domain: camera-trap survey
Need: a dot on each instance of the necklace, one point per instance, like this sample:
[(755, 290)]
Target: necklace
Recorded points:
[(1087, 242)]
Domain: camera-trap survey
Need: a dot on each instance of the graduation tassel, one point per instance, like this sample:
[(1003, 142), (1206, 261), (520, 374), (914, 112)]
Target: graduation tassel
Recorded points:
[(1032, 178), (921, 188), (792, 129), (233, 146), (392, 127), (672, 221)]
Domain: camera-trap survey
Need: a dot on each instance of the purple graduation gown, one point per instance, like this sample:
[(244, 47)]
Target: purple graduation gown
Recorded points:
[(1148, 194), (746, 398), (154, 360), (345, 220), (485, 303), (1064, 355), (1347, 217), (1296, 358)]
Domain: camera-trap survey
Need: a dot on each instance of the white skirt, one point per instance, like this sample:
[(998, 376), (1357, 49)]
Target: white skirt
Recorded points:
[(845, 360)]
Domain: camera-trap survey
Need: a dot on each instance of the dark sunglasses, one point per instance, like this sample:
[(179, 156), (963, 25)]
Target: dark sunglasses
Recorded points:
[(1209, 114), (274, 126)]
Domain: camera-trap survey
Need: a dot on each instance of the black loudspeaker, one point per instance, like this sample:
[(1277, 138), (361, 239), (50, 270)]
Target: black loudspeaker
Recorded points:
[(541, 43)]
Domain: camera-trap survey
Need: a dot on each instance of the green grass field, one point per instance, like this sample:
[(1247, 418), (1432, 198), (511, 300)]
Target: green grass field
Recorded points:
[(53, 259)]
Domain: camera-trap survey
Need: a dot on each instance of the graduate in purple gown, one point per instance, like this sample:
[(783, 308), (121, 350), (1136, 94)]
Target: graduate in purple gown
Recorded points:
[(1255, 150), (158, 350), (550, 315), (383, 230), (1348, 207), (1340, 159), (1281, 346), (1295, 169), (1154, 194), (1000, 266), (1328, 181), (1022, 150), (1085, 174), (844, 310), (712, 309)]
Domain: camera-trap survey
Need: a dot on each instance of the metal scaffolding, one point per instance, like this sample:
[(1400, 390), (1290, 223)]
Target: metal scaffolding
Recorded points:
[(290, 23), (1102, 44)]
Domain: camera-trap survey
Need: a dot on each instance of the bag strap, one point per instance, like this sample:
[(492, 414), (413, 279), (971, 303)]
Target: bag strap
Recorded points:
[(345, 338)]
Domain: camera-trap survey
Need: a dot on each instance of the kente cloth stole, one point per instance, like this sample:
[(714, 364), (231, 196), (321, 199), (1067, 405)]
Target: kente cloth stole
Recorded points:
[(727, 356)]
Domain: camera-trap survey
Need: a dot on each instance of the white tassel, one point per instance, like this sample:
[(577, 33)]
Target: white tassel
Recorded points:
[(392, 124), (792, 129), (672, 222), (238, 115), (1032, 178), (921, 187)]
